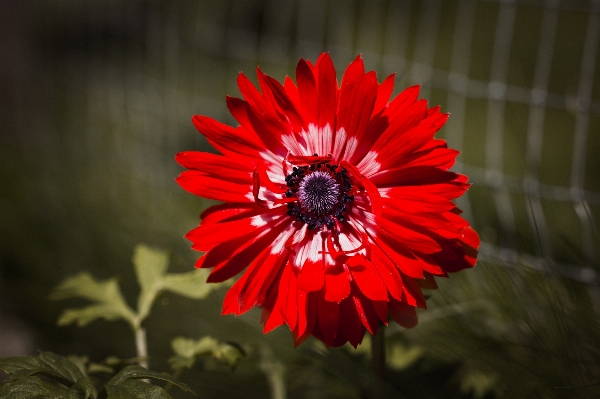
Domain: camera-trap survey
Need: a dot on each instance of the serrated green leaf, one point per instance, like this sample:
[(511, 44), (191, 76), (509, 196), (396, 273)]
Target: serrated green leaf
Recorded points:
[(31, 388), (109, 302), (135, 373), (84, 316), (133, 389), (191, 285), (49, 364)]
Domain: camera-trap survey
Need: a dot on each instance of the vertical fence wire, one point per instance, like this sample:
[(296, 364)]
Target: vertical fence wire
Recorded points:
[(171, 60)]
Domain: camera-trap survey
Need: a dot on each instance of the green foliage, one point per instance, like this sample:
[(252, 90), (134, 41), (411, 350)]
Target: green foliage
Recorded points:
[(35, 388), (126, 384), (47, 364), (151, 265), (108, 300), (65, 380), (188, 350), (108, 303)]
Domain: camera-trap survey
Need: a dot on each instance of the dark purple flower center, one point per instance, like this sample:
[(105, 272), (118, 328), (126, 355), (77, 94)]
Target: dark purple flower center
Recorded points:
[(318, 192), (323, 192)]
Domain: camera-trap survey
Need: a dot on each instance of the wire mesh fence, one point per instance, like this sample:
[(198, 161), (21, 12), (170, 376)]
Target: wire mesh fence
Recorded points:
[(97, 98), (518, 77)]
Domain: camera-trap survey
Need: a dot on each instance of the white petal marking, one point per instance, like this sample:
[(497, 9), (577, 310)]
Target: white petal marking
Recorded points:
[(279, 243), (368, 166), (351, 145), (338, 145), (291, 143), (326, 140)]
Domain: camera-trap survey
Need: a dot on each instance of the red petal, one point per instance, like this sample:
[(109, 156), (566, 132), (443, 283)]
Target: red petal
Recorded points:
[(229, 212), (271, 315), (367, 278), (207, 236), (403, 314), (404, 260), (388, 271), (197, 183), (288, 291), (329, 317), (412, 294), (381, 309), (291, 112), (258, 279), (400, 123), (410, 237), (236, 169), (428, 283), (227, 139), (301, 298), (350, 322), (379, 124), (413, 176), (337, 284), (367, 315), (311, 276), (240, 259), (307, 90), (383, 94), (356, 104), (327, 92)]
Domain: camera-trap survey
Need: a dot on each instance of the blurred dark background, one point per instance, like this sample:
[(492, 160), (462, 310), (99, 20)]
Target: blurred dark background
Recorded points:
[(96, 98)]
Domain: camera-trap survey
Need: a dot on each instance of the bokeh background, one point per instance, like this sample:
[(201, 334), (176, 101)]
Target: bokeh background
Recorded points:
[(96, 98)]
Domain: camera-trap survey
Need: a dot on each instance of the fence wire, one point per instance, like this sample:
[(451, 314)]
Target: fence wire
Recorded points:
[(518, 77)]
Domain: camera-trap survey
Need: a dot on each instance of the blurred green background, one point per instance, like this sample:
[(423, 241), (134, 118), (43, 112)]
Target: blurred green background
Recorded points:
[(96, 98)]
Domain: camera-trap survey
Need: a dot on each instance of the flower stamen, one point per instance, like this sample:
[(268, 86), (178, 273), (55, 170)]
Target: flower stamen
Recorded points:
[(318, 192)]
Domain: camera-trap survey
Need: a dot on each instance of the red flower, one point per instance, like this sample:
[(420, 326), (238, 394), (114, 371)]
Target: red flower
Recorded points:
[(337, 202)]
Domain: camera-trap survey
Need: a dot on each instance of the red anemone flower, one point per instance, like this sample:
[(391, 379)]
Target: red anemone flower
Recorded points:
[(337, 202)]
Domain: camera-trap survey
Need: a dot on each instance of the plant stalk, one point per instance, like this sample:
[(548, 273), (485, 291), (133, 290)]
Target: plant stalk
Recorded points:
[(141, 346), (378, 363)]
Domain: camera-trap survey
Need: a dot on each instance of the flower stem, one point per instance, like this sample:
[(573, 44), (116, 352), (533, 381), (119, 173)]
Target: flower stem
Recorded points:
[(273, 370), (378, 363), (141, 346)]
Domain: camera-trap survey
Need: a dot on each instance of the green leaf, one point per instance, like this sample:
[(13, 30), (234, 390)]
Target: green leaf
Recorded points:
[(191, 285), (61, 365), (47, 363), (187, 350), (229, 353), (150, 265), (23, 384), (32, 388), (132, 389), (187, 347), (479, 384), (123, 383), (94, 368), (109, 302), (83, 388)]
